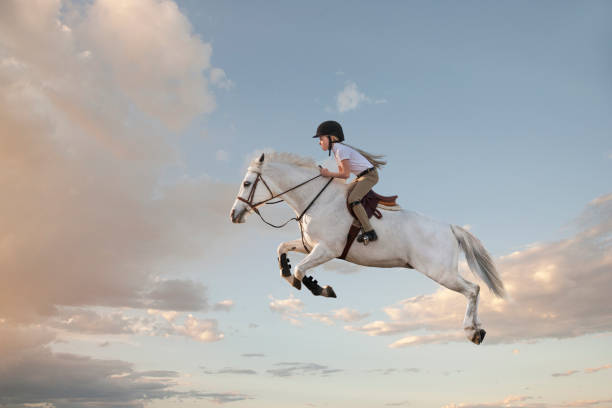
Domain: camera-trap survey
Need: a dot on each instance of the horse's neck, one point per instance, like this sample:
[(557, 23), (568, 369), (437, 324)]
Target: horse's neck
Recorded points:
[(285, 177)]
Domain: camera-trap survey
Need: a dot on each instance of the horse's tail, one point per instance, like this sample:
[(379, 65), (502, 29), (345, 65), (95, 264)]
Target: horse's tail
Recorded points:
[(479, 260)]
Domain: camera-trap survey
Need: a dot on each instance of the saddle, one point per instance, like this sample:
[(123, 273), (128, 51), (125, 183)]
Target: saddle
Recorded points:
[(371, 202)]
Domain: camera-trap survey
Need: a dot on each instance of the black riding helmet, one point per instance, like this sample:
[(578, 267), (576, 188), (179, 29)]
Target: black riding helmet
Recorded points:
[(329, 128)]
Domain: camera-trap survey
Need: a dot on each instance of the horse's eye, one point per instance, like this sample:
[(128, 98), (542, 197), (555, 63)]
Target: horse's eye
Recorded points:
[(246, 183)]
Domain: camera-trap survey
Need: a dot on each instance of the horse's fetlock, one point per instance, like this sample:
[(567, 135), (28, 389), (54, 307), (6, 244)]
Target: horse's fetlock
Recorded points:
[(299, 274)]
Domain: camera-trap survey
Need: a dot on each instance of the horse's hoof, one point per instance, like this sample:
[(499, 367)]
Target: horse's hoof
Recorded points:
[(295, 283), (328, 292), (478, 336)]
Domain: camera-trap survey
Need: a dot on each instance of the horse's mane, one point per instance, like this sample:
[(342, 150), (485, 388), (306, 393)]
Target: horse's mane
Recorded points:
[(288, 158)]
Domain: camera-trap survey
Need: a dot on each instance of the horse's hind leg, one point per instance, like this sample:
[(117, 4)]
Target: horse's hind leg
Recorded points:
[(450, 278), (471, 323), (319, 255), (283, 261)]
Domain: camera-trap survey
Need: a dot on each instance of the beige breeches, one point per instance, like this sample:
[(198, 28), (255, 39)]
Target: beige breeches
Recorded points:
[(364, 184)]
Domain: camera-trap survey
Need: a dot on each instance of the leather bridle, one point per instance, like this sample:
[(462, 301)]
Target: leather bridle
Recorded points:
[(253, 206)]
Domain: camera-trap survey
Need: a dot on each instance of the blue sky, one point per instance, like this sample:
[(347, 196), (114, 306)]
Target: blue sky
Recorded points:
[(513, 97), (127, 128)]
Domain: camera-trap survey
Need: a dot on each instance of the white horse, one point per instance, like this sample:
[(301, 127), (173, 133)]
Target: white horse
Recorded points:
[(405, 238)]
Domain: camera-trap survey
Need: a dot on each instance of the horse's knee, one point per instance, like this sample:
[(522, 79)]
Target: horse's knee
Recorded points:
[(298, 272)]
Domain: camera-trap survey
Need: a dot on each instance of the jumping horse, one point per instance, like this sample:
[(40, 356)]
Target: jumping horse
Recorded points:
[(406, 238)]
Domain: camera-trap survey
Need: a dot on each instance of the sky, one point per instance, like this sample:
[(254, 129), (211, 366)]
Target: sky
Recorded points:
[(126, 129)]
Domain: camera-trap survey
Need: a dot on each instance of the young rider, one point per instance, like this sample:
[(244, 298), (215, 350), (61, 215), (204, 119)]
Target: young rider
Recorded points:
[(351, 160)]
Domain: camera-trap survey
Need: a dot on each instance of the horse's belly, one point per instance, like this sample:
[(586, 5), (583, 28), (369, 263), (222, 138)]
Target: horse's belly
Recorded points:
[(403, 237)]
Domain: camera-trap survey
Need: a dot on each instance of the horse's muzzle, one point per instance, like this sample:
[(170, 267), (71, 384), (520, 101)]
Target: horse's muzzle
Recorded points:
[(237, 217)]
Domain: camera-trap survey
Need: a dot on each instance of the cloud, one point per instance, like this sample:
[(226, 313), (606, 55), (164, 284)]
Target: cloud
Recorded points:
[(204, 330), (90, 322), (253, 355), (218, 398), (521, 401), (398, 404), (586, 371), (289, 309), (510, 401), (177, 294), (131, 321), (131, 39), (348, 315), (345, 315), (228, 370), (28, 375), (88, 219), (218, 78), (224, 305), (547, 284), (349, 98), (290, 369), (388, 371), (596, 369), (565, 374)]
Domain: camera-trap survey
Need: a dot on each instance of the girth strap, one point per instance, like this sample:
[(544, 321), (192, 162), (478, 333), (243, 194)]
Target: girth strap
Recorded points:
[(350, 238)]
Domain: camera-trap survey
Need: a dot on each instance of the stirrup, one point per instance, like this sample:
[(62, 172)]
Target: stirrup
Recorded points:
[(366, 237)]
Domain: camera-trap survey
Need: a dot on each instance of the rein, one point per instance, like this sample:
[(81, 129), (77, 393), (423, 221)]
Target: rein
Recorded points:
[(249, 201)]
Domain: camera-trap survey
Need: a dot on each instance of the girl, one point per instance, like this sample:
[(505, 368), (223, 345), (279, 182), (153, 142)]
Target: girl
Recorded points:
[(351, 160)]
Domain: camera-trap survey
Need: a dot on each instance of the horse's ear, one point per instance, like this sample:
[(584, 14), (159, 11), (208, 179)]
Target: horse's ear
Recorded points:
[(261, 158)]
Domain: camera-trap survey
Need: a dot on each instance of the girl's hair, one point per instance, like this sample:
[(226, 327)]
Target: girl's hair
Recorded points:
[(374, 159)]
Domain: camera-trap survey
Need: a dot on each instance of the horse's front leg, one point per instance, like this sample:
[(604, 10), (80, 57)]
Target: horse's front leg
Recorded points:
[(283, 261), (320, 254)]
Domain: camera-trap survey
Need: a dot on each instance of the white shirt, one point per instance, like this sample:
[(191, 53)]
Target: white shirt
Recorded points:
[(356, 160)]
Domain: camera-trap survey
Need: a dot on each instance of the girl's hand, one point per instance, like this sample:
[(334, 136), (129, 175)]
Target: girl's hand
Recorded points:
[(325, 172)]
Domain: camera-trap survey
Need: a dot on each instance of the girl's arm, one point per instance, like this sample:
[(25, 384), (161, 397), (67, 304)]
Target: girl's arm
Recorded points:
[(344, 173)]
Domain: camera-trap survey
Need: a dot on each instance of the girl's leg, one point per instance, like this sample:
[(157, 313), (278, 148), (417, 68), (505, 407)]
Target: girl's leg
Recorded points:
[(364, 184)]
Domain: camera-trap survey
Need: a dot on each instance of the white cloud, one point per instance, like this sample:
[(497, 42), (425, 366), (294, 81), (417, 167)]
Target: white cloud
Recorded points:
[(88, 150), (288, 369), (153, 54), (290, 305), (225, 305), (350, 98), (542, 281), (289, 309), (201, 330), (218, 78), (348, 315)]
